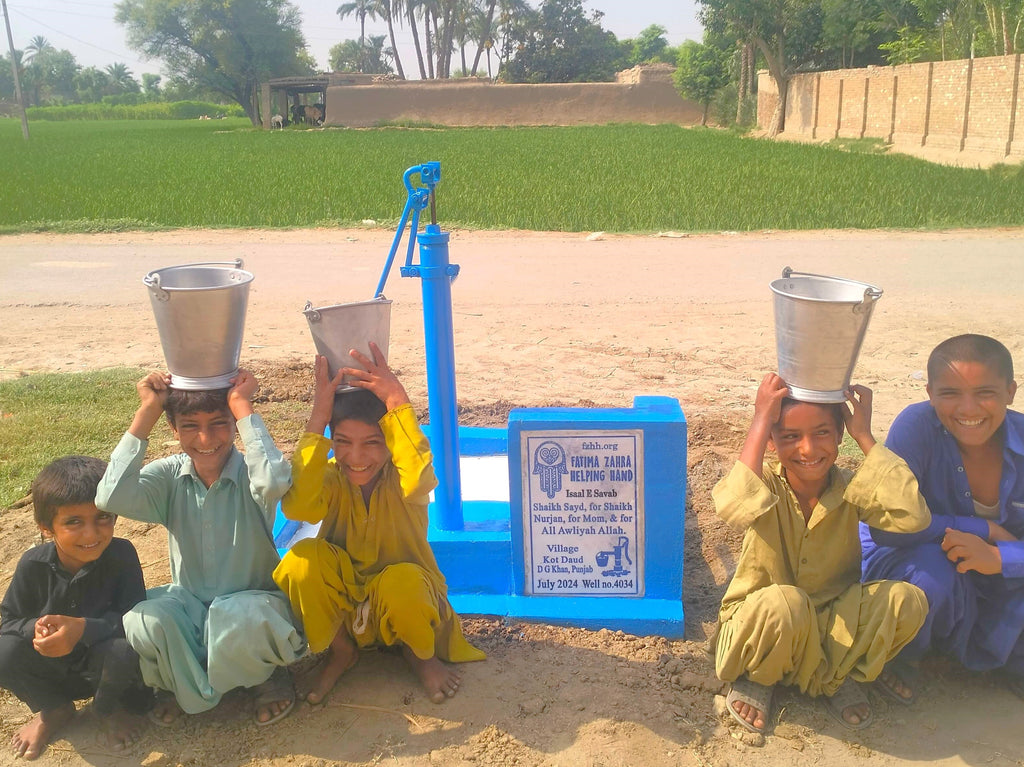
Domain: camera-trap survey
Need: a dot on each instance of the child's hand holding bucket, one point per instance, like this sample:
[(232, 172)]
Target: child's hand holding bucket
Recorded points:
[(152, 392), (324, 389), (377, 377), (243, 388)]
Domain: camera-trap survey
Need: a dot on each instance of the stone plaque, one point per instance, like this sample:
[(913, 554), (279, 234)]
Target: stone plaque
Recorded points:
[(583, 516)]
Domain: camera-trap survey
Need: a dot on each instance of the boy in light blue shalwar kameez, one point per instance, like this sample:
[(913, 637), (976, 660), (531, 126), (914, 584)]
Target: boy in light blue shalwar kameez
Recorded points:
[(222, 622)]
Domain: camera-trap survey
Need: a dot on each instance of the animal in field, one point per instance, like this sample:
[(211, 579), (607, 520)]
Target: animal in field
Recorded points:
[(315, 114), (298, 113), (277, 121)]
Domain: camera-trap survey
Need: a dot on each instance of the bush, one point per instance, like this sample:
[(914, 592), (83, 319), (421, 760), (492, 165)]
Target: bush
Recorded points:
[(151, 110)]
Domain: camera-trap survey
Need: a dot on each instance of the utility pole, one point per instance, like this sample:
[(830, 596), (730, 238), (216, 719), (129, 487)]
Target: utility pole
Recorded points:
[(14, 69)]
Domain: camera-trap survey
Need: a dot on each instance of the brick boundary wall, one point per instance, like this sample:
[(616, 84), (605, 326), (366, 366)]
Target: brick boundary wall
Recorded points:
[(968, 105)]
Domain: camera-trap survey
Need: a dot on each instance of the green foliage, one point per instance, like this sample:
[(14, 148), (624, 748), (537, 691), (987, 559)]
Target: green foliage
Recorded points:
[(860, 145), (618, 178), (560, 44), (150, 110), (909, 46), (700, 72), (226, 46), (44, 417), (722, 110), (370, 58), (650, 45)]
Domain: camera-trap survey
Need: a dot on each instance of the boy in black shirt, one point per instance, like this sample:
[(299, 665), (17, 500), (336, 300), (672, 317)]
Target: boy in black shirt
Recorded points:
[(61, 637)]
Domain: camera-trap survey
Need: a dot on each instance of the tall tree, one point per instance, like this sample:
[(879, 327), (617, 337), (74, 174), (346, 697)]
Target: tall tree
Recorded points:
[(649, 45), (701, 71), (121, 78), (787, 33), (151, 86), (411, 7), (51, 76), (561, 44), (391, 11), (360, 9), (223, 46), (36, 45), (371, 57)]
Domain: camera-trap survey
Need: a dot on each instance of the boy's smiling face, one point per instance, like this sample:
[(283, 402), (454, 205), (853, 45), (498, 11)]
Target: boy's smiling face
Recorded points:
[(206, 438), (81, 533), (360, 451), (970, 399), (806, 439)]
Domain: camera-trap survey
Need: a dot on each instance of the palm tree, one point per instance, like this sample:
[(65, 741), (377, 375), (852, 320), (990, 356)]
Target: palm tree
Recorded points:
[(120, 76), (360, 9), (484, 34), (410, 12), (37, 45), (386, 9)]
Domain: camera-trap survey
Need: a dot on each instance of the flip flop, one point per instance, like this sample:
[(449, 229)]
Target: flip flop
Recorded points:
[(849, 694), (756, 695), (907, 674), (279, 687)]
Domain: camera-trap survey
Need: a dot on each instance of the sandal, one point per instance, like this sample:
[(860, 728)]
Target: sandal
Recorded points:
[(755, 695), (848, 695), (276, 689), (906, 674)]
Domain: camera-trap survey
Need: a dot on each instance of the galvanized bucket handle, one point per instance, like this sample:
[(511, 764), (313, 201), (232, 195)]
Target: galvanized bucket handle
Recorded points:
[(871, 294), (152, 280), (313, 315)]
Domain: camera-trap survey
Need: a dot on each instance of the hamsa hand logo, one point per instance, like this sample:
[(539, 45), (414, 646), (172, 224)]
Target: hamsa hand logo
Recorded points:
[(549, 463)]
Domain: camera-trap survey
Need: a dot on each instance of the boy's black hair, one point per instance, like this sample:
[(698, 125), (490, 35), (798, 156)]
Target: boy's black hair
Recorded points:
[(970, 347), (361, 405), (181, 402), (835, 408), (67, 481)]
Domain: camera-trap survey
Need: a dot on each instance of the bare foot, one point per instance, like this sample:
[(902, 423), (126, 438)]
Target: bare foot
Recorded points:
[(896, 684), (166, 710), (123, 729), (857, 713), (33, 738), (342, 656), (749, 714), (440, 680)]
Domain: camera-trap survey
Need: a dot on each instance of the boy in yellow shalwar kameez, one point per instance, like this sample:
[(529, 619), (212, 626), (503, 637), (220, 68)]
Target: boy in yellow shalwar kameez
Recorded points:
[(795, 612), (369, 577)]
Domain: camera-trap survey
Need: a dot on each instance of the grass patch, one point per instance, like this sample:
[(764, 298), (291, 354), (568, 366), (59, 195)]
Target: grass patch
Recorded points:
[(616, 178), (46, 416), (49, 415), (860, 145)]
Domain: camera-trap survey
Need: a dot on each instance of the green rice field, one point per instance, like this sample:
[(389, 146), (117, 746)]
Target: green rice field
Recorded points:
[(95, 175)]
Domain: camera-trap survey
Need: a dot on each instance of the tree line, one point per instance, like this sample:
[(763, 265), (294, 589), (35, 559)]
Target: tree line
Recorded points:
[(225, 49), (791, 36)]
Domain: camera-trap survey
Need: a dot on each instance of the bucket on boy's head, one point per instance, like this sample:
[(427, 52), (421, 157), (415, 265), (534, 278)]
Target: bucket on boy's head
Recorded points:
[(820, 324), (338, 329), (200, 314)]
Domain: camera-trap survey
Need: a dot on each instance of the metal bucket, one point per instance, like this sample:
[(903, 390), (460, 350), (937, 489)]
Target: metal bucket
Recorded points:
[(820, 324), (200, 313), (338, 329)]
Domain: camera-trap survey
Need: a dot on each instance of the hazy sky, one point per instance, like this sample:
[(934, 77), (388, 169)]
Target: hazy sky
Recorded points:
[(87, 27)]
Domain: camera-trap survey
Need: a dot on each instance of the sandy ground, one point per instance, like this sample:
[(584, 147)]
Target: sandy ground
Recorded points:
[(542, 319)]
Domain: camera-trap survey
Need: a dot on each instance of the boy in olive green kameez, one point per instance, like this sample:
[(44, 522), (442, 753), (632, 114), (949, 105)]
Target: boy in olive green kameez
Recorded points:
[(795, 612)]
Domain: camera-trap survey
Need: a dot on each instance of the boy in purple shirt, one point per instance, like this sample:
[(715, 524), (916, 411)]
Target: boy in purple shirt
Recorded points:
[(967, 450)]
